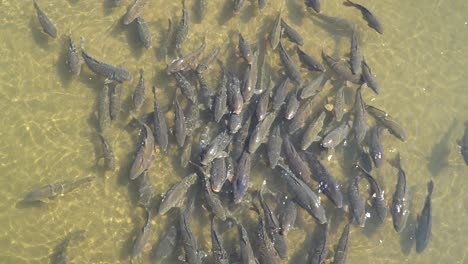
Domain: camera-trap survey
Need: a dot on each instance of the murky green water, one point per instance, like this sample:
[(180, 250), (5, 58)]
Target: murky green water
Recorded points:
[(49, 123)]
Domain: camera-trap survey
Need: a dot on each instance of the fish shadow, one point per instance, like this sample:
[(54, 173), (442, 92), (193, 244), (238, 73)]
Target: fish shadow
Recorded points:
[(295, 12), (440, 152), (62, 68), (127, 246), (226, 12), (39, 37), (372, 224), (248, 13), (108, 7), (133, 39), (25, 204)]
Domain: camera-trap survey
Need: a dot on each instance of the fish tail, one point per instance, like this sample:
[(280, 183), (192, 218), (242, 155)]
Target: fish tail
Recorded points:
[(430, 188), (396, 162), (348, 3)]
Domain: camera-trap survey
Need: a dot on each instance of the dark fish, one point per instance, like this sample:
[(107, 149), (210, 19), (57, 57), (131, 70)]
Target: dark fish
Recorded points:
[(337, 135), (220, 256), (327, 183), (205, 91), (312, 88), (369, 77), (111, 72), (74, 60), (206, 62), (363, 158), (264, 247), (145, 154), (275, 35), (212, 201), (216, 148), (235, 122), (109, 158), (399, 208), (317, 253), (238, 6), (230, 169), (315, 4), (180, 130), (145, 190), (298, 166), (249, 81), (166, 244), (192, 119), (186, 154), (47, 25), (234, 97), (192, 254), (183, 28), (280, 94), (104, 108), (246, 252), (54, 189), (159, 123), (309, 62), (139, 93), (292, 34), (368, 16), (360, 117), (187, 89), (60, 257), (342, 247), (292, 105), (262, 105), (464, 144), (218, 174), (387, 121), (303, 195), (289, 64), (220, 101), (186, 62), (377, 196), (274, 146), (245, 49), (241, 177), (134, 11), (176, 194), (355, 58), (115, 98), (424, 228), (144, 32), (260, 133), (141, 242), (288, 215), (341, 71), (312, 131), (356, 202), (240, 139), (338, 108), (376, 149)]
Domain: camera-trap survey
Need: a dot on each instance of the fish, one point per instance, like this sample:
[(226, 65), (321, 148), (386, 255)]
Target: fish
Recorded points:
[(290, 65), (292, 105), (166, 245), (218, 174), (275, 142), (145, 190), (261, 132), (399, 207), (187, 89), (138, 96), (464, 144), (216, 148), (141, 242), (264, 247), (240, 139), (315, 4), (246, 251), (376, 149), (206, 62), (303, 195), (377, 196), (262, 105), (109, 71), (220, 101), (212, 201), (183, 28), (235, 100), (363, 158), (176, 194), (312, 88), (309, 62), (241, 178), (159, 124), (187, 62), (275, 35), (296, 163), (74, 60), (145, 154), (109, 158), (134, 11), (220, 255), (337, 135), (235, 122), (115, 98), (47, 26), (186, 152), (341, 251), (317, 253), (327, 182), (144, 32), (192, 118), (280, 94), (356, 202), (180, 129), (205, 91), (360, 117), (57, 188), (338, 108), (424, 227), (369, 79), (312, 131), (245, 49), (249, 81), (192, 254), (355, 58), (387, 121), (288, 215), (341, 71), (370, 18), (60, 257), (104, 108), (292, 34)]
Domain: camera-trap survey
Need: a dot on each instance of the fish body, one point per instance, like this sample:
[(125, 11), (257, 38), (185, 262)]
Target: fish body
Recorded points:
[(264, 246), (205, 91), (249, 81), (206, 62), (192, 254), (134, 11), (138, 96), (166, 244), (180, 129), (342, 247), (292, 105), (74, 60), (261, 132), (315, 4), (388, 122), (355, 58), (337, 135), (220, 101), (338, 108), (424, 228), (115, 98), (246, 252), (186, 62), (376, 149), (280, 94), (298, 166), (175, 195), (377, 196), (47, 26), (309, 62), (288, 215), (318, 251), (186, 153), (215, 148), (275, 34), (245, 49), (290, 65), (327, 183), (111, 72), (234, 96), (54, 189), (274, 146), (360, 117), (240, 139), (369, 77), (212, 201), (141, 242), (160, 127), (60, 257), (220, 255), (109, 158), (341, 71), (187, 89), (356, 202), (145, 154), (312, 131), (183, 28), (312, 88), (262, 106), (104, 109), (464, 144), (399, 208), (242, 176), (292, 34), (145, 190), (218, 174), (370, 18), (144, 32)]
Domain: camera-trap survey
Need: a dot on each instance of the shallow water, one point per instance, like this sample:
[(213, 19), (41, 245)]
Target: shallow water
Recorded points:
[(49, 122)]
